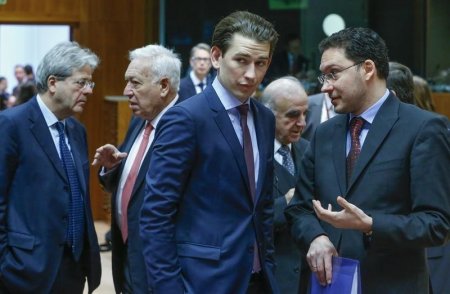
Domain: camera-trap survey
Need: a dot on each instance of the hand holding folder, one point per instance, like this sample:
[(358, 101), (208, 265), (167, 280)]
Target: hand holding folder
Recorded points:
[(346, 278)]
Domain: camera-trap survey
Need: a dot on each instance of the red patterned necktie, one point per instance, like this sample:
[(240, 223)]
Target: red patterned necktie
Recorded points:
[(131, 179), (356, 125), (249, 161)]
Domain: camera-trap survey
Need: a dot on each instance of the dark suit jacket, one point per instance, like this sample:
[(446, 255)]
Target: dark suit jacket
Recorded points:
[(287, 255), (400, 179), (187, 87), (198, 219), (315, 104), (439, 265), (34, 202), (133, 250)]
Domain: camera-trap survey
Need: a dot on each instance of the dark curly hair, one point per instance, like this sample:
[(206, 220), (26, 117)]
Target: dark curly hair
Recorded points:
[(360, 44)]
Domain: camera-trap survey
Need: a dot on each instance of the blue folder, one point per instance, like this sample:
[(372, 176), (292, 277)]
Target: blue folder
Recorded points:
[(346, 278)]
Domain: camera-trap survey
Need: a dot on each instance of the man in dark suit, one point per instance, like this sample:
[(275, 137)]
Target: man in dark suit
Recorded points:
[(390, 198), (289, 102), (48, 242), (320, 109), (199, 76), (207, 216), (153, 76)]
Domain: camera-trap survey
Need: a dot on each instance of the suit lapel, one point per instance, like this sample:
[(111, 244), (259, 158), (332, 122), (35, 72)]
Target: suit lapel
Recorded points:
[(262, 144), (284, 180), (226, 128), (76, 145), (135, 127), (380, 128), (192, 91), (298, 149), (339, 155), (145, 162), (40, 131)]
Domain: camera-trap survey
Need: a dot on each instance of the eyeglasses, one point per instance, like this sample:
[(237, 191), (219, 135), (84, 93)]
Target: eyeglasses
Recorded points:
[(332, 75), (198, 59), (85, 83)]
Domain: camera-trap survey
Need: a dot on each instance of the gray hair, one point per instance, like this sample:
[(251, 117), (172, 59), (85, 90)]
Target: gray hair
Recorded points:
[(61, 61), (272, 93), (161, 63), (200, 46)]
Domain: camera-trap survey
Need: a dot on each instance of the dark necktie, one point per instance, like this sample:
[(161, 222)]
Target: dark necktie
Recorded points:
[(75, 232), (356, 125), (248, 148), (131, 179), (201, 86), (248, 154), (288, 162)]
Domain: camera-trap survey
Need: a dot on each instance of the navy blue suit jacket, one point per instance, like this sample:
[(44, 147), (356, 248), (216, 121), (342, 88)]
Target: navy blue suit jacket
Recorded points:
[(34, 201), (133, 250), (187, 87), (400, 179), (198, 220)]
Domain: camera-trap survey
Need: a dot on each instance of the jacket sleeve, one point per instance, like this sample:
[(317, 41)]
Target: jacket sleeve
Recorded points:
[(172, 155), (8, 163)]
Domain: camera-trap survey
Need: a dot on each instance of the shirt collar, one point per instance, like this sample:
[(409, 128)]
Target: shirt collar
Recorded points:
[(226, 98), (371, 112), (277, 145), (49, 116), (196, 80)]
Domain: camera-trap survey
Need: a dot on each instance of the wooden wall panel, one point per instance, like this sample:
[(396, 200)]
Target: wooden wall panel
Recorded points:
[(442, 103), (44, 11), (110, 28)]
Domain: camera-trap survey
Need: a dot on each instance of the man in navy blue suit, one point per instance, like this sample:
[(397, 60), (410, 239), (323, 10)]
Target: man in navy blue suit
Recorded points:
[(207, 217), (152, 76), (199, 76), (48, 242)]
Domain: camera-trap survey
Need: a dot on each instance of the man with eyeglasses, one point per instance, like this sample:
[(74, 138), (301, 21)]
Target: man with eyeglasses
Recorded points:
[(374, 184), (48, 242), (199, 76)]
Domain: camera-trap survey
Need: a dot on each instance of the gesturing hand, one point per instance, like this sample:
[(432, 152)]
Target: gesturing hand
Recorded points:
[(108, 156), (350, 217)]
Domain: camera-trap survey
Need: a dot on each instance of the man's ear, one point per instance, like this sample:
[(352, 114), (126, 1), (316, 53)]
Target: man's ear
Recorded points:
[(370, 69), (51, 84), (216, 56), (164, 86)]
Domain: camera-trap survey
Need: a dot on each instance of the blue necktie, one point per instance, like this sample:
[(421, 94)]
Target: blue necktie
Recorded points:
[(76, 210), (288, 162), (200, 85)]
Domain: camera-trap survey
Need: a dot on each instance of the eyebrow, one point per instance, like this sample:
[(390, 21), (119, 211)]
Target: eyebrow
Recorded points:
[(292, 112), (250, 56)]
